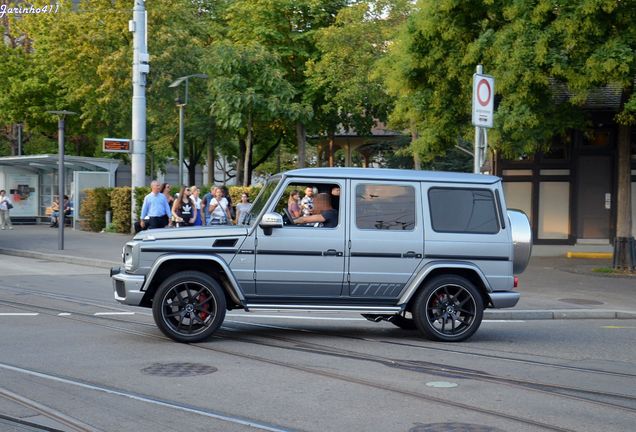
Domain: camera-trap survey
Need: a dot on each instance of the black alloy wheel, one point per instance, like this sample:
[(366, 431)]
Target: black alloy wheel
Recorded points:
[(189, 306), (448, 309)]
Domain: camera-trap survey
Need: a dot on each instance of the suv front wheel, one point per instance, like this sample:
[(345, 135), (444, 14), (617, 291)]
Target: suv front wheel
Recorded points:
[(448, 309), (189, 306)]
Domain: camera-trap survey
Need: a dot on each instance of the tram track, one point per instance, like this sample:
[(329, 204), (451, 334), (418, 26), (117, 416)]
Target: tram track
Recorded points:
[(114, 323)]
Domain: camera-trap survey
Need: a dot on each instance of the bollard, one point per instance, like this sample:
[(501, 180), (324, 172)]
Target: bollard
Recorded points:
[(109, 218)]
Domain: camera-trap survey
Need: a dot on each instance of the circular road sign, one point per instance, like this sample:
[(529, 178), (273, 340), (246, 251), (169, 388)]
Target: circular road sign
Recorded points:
[(484, 92)]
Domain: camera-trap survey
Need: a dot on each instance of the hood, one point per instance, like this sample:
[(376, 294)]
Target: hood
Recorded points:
[(192, 232)]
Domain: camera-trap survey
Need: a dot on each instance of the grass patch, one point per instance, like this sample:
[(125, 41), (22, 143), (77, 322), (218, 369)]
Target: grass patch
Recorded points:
[(613, 271)]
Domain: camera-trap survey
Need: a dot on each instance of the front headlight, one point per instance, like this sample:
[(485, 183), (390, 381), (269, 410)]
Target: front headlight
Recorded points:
[(127, 256)]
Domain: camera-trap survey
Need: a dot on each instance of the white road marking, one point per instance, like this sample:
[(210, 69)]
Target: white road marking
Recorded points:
[(64, 314), (19, 314), (502, 321), (113, 313), (141, 398)]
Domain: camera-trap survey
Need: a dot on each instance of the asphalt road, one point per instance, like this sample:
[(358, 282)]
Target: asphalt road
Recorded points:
[(73, 359)]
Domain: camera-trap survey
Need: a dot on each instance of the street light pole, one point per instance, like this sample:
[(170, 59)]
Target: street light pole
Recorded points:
[(140, 69), (181, 104), (60, 173)]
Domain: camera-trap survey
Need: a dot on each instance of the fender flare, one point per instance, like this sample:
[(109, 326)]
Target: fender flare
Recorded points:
[(416, 281), (234, 287)]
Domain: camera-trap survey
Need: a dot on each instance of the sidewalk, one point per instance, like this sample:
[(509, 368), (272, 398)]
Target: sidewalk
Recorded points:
[(551, 287)]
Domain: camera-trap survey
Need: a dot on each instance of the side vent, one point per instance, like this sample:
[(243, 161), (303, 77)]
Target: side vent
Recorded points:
[(225, 243)]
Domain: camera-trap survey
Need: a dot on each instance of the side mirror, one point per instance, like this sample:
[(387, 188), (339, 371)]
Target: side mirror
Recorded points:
[(270, 221)]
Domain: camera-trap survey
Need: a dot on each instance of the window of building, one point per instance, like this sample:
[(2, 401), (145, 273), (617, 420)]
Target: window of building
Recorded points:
[(385, 207), (463, 210), (554, 210)]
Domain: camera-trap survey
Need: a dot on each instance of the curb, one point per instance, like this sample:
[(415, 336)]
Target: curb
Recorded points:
[(69, 259), (590, 255), (561, 314)]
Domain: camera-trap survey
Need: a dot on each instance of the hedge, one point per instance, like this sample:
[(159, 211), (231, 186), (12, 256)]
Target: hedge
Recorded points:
[(93, 209), (120, 203)]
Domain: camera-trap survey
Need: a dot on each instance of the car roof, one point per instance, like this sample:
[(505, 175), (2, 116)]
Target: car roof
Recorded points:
[(393, 174)]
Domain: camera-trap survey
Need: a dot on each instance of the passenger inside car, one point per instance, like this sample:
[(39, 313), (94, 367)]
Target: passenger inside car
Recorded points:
[(324, 214)]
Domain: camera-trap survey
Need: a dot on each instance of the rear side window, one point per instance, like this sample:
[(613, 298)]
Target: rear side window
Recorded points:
[(385, 207), (463, 210)]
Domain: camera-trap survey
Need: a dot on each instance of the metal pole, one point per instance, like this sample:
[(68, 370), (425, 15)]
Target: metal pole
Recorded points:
[(477, 147), (139, 71), (180, 145), (60, 175)]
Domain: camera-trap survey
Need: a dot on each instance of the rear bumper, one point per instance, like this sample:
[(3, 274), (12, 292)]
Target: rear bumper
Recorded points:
[(504, 299), (127, 287)]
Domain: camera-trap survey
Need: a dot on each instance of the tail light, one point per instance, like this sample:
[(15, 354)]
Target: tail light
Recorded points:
[(516, 281)]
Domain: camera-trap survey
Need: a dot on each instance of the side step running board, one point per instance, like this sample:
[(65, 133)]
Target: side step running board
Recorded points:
[(328, 308)]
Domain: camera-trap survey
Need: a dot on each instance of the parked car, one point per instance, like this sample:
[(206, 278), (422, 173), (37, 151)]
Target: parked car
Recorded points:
[(425, 250)]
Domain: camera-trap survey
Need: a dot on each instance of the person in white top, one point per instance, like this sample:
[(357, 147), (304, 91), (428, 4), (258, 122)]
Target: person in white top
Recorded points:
[(219, 209), (5, 206), (194, 196)]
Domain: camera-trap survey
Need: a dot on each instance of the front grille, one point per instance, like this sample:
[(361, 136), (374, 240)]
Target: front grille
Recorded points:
[(120, 288)]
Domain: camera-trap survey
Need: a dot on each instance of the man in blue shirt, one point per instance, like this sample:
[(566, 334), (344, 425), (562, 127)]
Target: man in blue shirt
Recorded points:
[(155, 209)]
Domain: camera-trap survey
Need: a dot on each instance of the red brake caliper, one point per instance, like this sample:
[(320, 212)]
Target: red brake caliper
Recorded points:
[(202, 299)]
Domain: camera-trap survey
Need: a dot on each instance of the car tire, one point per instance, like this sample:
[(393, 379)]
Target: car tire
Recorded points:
[(448, 309), (189, 306)]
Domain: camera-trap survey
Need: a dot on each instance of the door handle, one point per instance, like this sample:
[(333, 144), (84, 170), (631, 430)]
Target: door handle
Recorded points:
[(411, 254), (331, 252)]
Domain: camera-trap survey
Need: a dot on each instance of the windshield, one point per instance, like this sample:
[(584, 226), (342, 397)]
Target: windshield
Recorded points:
[(261, 199)]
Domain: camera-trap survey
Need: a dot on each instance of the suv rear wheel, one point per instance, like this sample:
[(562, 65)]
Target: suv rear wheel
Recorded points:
[(189, 306), (448, 309)]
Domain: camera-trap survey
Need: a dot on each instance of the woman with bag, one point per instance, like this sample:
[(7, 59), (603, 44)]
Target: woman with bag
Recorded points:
[(219, 209), (5, 206)]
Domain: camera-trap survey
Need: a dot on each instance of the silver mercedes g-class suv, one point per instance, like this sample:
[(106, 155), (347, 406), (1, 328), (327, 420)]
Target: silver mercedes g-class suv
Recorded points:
[(425, 250)]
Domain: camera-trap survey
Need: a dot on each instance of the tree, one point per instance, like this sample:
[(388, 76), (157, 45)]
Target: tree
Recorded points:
[(342, 77), (247, 87), (286, 28), (531, 48)]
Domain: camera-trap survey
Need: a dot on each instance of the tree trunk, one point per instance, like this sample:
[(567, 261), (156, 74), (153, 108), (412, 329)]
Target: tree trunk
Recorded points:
[(624, 247), (247, 169), (210, 158), (417, 164), (240, 163), (332, 144), (301, 140)]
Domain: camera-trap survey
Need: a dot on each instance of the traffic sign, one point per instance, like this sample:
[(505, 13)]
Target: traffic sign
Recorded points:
[(116, 145), (483, 100)]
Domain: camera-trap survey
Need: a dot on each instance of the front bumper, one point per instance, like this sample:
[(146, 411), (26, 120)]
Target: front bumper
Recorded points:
[(504, 299), (127, 287)]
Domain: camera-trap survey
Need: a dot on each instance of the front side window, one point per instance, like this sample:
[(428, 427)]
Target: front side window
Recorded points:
[(463, 210), (385, 207), (310, 204), (261, 199)]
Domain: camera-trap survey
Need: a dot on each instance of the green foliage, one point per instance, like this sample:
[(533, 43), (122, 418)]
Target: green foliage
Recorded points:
[(140, 194), (120, 203), (342, 77), (236, 191), (94, 207)]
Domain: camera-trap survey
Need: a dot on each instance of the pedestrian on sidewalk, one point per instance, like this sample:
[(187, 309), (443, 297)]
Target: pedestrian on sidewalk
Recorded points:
[(219, 209), (184, 211), (5, 207), (155, 211), (194, 196)]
